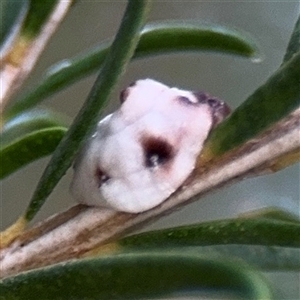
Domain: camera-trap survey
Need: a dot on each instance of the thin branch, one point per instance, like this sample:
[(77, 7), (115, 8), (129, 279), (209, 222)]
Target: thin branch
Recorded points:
[(71, 234), (14, 71)]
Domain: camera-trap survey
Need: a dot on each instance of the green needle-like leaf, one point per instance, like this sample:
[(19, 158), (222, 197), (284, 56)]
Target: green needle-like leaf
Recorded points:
[(266, 258), (268, 244), (28, 122), (114, 65), (160, 38), (38, 13), (28, 137), (26, 40), (271, 102), (138, 276), (29, 147), (236, 231)]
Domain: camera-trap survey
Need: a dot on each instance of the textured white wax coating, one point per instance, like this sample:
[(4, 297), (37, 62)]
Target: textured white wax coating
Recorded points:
[(144, 151)]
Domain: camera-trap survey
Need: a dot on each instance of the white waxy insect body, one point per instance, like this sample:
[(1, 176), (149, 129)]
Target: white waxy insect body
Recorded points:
[(144, 151)]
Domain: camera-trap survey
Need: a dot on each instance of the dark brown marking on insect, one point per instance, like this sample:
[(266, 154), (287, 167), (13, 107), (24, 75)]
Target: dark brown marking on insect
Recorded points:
[(101, 176), (123, 95), (185, 100), (125, 92), (220, 110), (132, 84), (201, 97), (157, 152)]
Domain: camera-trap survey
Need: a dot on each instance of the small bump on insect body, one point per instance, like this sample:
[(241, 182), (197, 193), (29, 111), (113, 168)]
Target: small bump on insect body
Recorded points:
[(213, 102), (102, 177), (123, 95), (186, 100), (201, 96)]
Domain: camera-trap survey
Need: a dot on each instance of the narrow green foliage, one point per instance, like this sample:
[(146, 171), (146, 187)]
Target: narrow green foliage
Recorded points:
[(39, 12), (28, 148), (12, 14), (271, 102), (266, 258), (114, 66), (184, 260), (159, 38), (236, 231), (174, 36), (28, 137), (139, 276), (28, 122), (270, 244)]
